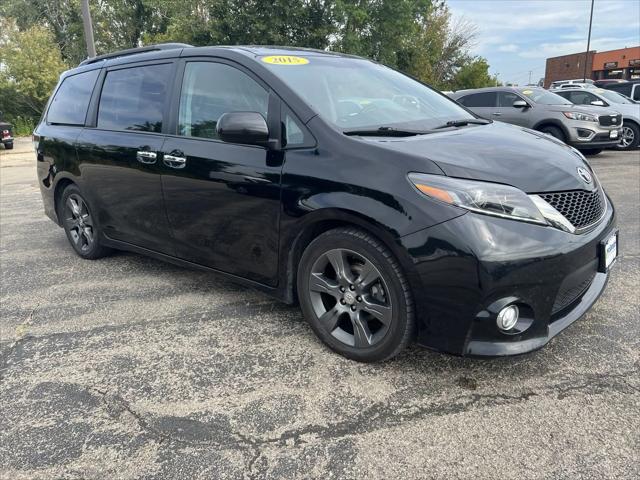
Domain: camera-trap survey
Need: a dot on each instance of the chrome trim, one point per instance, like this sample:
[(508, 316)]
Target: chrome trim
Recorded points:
[(553, 216)]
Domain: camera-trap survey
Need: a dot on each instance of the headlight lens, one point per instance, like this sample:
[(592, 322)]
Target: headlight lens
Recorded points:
[(482, 197), (584, 117)]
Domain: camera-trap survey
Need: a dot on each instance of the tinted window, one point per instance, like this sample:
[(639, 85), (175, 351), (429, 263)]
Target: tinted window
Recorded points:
[(211, 89), (293, 131), (636, 93), (624, 88), (582, 98), (70, 104), (133, 98), (487, 99), (506, 99)]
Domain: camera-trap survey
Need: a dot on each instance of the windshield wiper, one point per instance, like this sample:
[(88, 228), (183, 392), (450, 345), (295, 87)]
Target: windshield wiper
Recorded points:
[(465, 122), (385, 132)]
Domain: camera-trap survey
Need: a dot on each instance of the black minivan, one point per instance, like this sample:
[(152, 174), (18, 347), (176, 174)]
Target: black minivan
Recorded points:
[(387, 210)]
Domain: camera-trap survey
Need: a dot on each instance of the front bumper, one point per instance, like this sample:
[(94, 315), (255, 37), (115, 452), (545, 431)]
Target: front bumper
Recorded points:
[(593, 135), (467, 268)]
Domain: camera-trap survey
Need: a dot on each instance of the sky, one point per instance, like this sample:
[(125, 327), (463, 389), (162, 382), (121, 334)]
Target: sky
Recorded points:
[(517, 36)]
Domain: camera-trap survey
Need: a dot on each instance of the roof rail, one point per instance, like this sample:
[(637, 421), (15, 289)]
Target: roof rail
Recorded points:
[(134, 51)]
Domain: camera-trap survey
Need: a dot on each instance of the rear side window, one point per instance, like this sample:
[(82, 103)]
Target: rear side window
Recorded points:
[(636, 92), (624, 88), (134, 98), (487, 99), (69, 106), (211, 89)]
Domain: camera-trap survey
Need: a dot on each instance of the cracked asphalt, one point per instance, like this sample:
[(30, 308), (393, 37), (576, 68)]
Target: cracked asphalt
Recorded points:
[(129, 368)]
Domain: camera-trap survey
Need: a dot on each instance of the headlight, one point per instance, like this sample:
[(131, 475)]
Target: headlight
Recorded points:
[(482, 197), (584, 117)]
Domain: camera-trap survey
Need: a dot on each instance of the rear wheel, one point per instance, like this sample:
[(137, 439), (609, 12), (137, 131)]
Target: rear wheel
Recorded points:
[(554, 132), (355, 296), (630, 136), (80, 224), (591, 151)]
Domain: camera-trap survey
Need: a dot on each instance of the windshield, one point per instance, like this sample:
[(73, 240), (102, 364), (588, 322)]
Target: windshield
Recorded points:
[(538, 95), (613, 97), (360, 94)]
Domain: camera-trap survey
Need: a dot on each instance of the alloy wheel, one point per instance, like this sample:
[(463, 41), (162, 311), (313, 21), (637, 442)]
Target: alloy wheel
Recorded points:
[(627, 137), (79, 222), (350, 298)]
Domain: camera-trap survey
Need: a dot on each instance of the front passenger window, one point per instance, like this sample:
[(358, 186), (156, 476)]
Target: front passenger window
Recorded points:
[(211, 89)]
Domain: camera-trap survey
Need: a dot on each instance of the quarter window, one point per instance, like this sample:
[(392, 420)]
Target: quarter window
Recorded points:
[(69, 106), (133, 98), (211, 89), (479, 100)]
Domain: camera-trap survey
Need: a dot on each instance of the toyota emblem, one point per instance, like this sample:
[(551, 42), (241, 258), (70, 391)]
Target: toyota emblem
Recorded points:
[(585, 175)]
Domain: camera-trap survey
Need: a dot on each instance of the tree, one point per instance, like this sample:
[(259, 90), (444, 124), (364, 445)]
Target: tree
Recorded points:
[(31, 64), (473, 74)]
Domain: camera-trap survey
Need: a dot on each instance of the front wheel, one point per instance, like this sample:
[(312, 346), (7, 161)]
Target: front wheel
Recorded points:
[(80, 224), (355, 296), (8, 146), (630, 136)]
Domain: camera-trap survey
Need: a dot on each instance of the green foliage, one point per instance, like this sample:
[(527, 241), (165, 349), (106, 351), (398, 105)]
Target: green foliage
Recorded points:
[(473, 74), (30, 64)]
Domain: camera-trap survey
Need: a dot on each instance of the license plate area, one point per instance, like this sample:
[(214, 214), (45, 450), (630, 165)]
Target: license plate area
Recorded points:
[(608, 251)]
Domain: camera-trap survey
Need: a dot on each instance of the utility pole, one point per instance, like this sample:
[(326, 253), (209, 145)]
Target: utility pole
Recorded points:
[(497, 78), (88, 29), (530, 72), (586, 55)]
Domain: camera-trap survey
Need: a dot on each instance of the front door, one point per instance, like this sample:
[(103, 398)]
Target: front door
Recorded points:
[(222, 199), (506, 112), (119, 158)]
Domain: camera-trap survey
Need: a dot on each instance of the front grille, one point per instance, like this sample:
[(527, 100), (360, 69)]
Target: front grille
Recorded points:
[(569, 295), (608, 120), (580, 207)]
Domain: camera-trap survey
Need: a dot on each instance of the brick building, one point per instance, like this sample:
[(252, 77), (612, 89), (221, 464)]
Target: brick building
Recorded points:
[(621, 63)]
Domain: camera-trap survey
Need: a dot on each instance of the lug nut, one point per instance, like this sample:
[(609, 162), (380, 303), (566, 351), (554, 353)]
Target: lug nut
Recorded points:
[(359, 298), (342, 301), (342, 289), (351, 287), (353, 308)]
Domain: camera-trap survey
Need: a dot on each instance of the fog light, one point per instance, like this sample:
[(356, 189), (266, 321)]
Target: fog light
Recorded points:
[(508, 317)]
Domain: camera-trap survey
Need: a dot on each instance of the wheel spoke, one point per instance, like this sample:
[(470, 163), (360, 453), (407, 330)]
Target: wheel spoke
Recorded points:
[(319, 283), (329, 319), (87, 220), (75, 234), (368, 275), (377, 310), (88, 235), (361, 333), (73, 206), (340, 264)]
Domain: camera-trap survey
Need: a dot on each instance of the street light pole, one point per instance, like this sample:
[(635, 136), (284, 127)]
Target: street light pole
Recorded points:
[(586, 55), (88, 29)]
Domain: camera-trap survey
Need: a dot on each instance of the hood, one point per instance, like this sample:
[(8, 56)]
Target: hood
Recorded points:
[(592, 109), (498, 152)]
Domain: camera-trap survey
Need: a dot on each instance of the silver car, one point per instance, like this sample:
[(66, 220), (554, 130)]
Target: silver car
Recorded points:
[(599, 97), (587, 128)]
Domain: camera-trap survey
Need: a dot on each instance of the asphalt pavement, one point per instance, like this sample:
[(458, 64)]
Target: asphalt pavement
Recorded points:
[(130, 368)]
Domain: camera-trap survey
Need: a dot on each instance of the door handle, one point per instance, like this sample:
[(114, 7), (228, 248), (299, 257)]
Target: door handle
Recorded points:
[(147, 157), (496, 114), (174, 162)]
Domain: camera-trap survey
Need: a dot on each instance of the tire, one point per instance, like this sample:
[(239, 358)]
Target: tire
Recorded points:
[(555, 132), (8, 146), (374, 319), (80, 224), (591, 151), (630, 136)]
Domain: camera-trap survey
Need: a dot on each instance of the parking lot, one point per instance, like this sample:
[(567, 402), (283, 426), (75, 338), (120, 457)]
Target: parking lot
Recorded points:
[(127, 367)]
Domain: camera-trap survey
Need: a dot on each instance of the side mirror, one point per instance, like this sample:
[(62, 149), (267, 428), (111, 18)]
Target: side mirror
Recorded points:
[(598, 103), (249, 128), (520, 104)]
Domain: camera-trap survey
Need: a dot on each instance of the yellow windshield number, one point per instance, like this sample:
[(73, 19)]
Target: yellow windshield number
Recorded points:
[(285, 60)]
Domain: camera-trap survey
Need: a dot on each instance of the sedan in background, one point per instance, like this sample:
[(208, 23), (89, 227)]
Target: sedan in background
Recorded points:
[(599, 97)]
